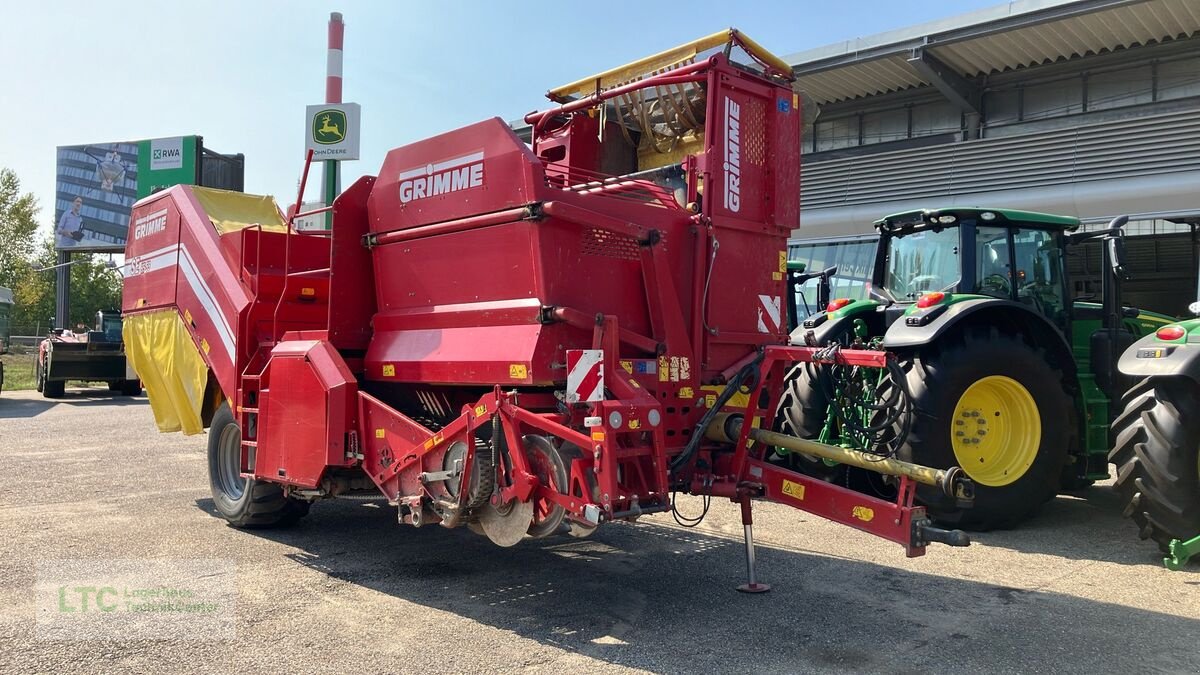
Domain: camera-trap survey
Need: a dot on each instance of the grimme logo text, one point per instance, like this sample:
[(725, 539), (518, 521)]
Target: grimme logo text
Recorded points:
[(442, 178), (150, 224), (733, 156)]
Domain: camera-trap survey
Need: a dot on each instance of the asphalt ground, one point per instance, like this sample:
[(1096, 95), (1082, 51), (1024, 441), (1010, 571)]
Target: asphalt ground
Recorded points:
[(89, 478)]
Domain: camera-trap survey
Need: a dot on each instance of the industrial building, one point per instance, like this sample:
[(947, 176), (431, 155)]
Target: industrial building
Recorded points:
[(1087, 108)]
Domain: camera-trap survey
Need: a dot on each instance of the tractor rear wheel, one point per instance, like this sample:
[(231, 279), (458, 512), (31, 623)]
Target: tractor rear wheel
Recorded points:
[(244, 502), (39, 376), (802, 412), (993, 405), (1156, 455)]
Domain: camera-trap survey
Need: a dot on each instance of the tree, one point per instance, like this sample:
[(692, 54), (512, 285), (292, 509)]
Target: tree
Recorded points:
[(18, 229)]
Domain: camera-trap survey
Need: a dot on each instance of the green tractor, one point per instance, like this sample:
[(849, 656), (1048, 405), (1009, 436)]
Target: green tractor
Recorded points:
[(1156, 438), (997, 369)]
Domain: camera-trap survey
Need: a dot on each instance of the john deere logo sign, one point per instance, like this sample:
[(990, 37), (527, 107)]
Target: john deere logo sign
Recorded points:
[(329, 127), (333, 131)]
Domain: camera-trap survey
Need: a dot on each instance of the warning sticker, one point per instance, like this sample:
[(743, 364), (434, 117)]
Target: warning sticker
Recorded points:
[(793, 489), (389, 370), (863, 513), (518, 371)]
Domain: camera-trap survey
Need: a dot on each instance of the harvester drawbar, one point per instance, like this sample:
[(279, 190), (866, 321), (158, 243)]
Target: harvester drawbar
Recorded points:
[(526, 340)]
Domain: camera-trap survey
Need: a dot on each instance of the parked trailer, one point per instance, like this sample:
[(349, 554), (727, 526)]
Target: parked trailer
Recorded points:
[(521, 339)]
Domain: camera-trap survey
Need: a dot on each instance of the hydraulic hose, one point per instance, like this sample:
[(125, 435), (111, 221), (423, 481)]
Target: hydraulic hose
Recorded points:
[(735, 383)]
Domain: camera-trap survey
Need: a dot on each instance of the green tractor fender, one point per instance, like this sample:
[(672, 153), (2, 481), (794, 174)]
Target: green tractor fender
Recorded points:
[(1154, 356), (820, 328), (921, 326)]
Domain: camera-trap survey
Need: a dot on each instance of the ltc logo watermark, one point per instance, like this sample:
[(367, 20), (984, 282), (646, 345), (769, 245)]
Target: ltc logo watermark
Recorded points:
[(136, 599), (329, 126)]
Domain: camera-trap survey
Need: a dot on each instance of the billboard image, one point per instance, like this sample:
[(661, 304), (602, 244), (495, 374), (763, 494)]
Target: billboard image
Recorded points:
[(98, 183), (96, 187)]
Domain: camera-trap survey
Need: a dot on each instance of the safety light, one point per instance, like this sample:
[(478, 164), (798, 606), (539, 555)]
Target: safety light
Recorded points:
[(930, 299), (835, 305), (946, 220), (1170, 333), (987, 215)]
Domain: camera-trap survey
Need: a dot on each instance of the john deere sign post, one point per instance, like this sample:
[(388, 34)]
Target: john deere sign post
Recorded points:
[(333, 137)]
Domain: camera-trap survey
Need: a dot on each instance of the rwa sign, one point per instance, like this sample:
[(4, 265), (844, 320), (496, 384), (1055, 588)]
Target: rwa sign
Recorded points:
[(332, 131)]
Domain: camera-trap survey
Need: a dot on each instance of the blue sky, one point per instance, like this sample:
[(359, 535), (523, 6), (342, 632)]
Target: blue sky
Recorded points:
[(241, 73)]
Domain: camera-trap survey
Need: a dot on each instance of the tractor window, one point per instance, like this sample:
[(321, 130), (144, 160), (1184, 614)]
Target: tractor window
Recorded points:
[(112, 328), (1039, 272), (992, 274), (921, 262)]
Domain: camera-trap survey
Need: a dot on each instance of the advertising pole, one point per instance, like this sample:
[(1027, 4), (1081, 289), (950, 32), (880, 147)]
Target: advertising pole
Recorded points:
[(333, 94)]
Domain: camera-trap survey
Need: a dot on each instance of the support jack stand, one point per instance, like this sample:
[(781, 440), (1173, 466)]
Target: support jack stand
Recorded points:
[(752, 586)]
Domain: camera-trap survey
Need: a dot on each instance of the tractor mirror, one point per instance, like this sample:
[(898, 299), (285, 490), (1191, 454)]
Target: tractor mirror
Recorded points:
[(1116, 256)]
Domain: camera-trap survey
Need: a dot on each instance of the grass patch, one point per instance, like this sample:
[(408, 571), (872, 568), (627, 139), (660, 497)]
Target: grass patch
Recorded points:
[(19, 368)]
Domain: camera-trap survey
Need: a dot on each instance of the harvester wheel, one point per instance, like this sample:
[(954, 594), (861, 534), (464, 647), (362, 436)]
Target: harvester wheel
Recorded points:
[(994, 405), (802, 411), (131, 387), (244, 502), (39, 376), (551, 471), (1156, 455)]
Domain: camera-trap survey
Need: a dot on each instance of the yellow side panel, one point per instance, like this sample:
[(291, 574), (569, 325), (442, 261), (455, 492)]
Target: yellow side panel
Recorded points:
[(233, 211), (164, 357)]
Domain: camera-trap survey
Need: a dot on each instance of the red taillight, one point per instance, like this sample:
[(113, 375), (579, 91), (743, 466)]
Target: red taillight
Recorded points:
[(930, 299), (1170, 333), (835, 305)]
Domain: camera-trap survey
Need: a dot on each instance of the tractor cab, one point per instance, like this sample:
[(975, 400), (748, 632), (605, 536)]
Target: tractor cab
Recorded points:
[(927, 257)]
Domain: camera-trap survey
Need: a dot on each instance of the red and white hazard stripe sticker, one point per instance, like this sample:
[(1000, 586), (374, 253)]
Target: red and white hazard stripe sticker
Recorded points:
[(585, 375), (769, 315)]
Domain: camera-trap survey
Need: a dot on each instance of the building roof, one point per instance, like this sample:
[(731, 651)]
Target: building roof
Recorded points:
[(1005, 37)]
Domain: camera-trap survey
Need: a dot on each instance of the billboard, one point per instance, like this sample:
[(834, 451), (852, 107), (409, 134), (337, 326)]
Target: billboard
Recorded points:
[(98, 183)]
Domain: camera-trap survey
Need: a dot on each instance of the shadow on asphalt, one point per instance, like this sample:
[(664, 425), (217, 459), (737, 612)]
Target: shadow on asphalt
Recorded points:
[(661, 598), (1098, 531), (11, 408)]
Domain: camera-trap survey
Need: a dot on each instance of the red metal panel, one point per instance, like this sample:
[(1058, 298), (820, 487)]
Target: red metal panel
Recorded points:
[(351, 277), (151, 255), (480, 168), (306, 407)]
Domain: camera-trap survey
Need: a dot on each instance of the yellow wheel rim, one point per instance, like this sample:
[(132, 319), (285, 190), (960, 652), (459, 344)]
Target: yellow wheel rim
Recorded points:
[(996, 431)]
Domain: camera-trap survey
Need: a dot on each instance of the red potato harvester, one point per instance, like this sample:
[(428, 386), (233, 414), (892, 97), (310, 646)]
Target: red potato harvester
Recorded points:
[(520, 339)]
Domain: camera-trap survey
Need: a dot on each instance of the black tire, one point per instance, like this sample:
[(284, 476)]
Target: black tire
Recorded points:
[(244, 502), (131, 387), (937, 377), (802, 410), (39, 376), (1156, 455), (116, 386), (53, 388)]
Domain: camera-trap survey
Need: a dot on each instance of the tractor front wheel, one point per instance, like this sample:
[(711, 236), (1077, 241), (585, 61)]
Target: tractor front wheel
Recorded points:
[(1157, 455), (993, 405), (244, 502)]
